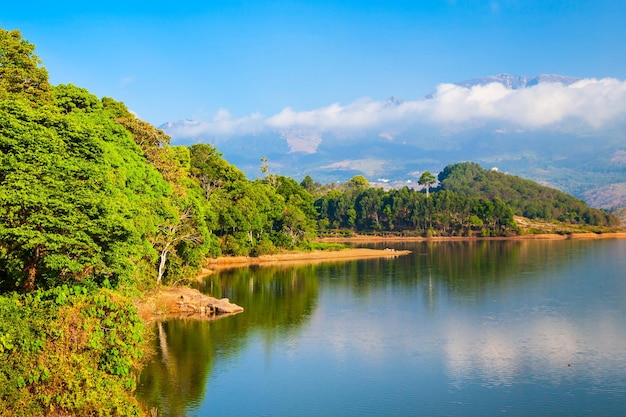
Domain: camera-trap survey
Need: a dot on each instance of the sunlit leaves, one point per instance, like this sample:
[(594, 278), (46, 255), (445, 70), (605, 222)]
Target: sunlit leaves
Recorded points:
[(20, 70)]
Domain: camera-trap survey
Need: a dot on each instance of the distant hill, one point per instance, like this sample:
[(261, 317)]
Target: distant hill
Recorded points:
[(525, 197)]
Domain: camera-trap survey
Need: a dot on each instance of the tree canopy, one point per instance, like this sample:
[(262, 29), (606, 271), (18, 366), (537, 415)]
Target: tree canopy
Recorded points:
[(21, 72), (427, 179)]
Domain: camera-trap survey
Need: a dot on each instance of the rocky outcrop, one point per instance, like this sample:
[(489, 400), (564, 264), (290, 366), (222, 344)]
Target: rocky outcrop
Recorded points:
[(202, 304), (182, 302)]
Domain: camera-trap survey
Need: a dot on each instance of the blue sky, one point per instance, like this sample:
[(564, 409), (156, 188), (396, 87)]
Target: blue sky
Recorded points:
[(188, 60)]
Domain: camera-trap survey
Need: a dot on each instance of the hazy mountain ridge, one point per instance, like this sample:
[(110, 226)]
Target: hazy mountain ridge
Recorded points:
[(515, 82), (572, 155)]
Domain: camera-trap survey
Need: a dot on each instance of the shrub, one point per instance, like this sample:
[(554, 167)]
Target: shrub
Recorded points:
[(69, 351)]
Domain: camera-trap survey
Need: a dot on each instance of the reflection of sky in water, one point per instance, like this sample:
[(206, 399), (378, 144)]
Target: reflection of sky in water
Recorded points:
[(490, 350), (550, 349)]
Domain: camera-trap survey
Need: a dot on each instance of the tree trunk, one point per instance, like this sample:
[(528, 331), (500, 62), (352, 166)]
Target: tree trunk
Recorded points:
[(30, 270), (163, 259)]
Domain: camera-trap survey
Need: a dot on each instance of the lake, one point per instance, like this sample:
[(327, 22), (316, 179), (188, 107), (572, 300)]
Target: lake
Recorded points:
[(476, 328)]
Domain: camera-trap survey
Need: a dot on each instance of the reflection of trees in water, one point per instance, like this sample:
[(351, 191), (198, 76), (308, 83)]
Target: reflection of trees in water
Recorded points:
[(279, 295), (459, 268), (276, 300), (177, 374), (473, 268)]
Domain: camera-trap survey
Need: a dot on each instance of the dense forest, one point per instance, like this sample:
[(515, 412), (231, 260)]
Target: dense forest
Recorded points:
[(97, 206)]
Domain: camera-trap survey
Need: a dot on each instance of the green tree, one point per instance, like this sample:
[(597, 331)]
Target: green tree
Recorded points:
[(21, 72), (308, 184), (427, 179), (210, 170), (61, 216), (358, 183)]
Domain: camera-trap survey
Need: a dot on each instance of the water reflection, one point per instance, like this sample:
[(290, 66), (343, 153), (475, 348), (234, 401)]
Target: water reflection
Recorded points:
[(549, 349), (451, 322), (568, 325), (275, 300)]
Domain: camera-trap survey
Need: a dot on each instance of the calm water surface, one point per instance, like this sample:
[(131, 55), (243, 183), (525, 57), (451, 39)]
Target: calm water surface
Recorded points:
[(455, 329)]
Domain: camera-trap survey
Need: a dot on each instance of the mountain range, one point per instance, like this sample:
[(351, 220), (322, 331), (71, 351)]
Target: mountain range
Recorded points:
[(558, 130)]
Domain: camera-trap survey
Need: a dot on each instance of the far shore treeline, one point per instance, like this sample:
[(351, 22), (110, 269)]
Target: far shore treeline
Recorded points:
[(96, 206)]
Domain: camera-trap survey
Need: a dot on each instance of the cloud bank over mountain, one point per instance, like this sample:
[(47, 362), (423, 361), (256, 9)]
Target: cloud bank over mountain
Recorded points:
[(561, 131), (588, 104)]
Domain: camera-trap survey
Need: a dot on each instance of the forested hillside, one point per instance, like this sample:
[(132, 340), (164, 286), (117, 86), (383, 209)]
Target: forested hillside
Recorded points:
[(469, 201), (526, 198)]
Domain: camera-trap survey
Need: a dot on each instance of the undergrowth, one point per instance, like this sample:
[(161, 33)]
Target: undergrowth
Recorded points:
[(69, 351)]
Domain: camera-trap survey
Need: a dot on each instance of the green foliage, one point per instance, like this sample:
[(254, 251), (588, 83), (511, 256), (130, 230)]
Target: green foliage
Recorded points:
[(526, 198), (69, 98), (20, 72), (76, 196), (329, 247), (69, 351)]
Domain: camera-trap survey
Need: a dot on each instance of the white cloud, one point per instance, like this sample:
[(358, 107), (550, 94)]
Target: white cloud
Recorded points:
[(591, 103), (223, 124), (359, 115), (595, 103)]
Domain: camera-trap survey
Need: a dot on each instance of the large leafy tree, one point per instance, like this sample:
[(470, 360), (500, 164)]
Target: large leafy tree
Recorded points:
[(77, 198), (210, 170), (21, 72), (56, 220)]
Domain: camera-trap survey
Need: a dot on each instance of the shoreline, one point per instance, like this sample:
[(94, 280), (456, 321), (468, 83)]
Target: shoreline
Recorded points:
[(166, 302), (292, 258), (539, 236), (318, 256)]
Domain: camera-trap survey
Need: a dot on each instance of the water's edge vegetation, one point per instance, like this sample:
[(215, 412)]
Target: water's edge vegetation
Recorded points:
[(96, 208)]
